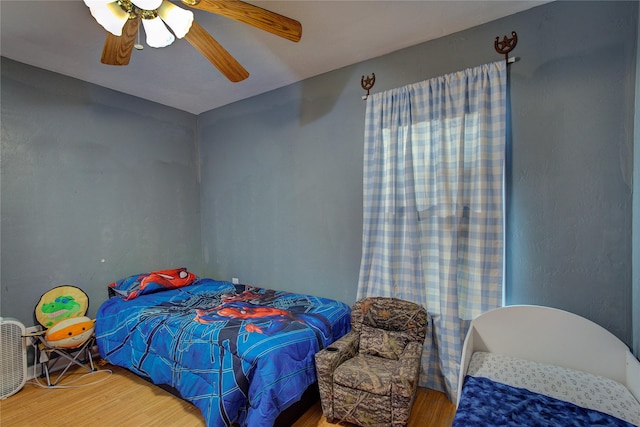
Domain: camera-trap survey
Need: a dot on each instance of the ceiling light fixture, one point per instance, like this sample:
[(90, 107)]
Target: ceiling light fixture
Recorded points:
[(121, 19), (156, 16)]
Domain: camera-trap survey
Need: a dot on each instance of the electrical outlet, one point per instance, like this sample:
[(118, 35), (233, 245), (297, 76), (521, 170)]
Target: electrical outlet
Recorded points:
[(235, 280)]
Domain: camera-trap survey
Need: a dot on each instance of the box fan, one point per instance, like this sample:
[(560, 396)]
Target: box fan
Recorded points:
[(13, 357)]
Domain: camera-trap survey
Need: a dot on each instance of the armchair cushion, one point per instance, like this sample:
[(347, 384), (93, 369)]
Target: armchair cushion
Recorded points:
[(367, 373)]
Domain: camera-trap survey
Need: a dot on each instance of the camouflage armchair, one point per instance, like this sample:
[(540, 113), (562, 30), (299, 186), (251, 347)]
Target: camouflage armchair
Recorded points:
[(369, 376)]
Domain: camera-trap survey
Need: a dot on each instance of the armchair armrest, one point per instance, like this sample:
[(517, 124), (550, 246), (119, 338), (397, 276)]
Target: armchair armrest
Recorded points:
[(327, 360), (406, 382)]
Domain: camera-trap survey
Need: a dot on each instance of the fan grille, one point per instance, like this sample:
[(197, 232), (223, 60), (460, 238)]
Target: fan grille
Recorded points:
[(13, 359)]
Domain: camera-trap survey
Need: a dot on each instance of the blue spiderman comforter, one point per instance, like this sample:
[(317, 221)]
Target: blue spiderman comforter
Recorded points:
[(240, 354)]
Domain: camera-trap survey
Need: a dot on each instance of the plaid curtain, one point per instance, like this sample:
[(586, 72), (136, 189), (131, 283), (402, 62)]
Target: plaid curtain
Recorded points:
[(433, 205)]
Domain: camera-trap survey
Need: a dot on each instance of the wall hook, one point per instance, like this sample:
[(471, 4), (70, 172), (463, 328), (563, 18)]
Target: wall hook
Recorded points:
[(367, 83)]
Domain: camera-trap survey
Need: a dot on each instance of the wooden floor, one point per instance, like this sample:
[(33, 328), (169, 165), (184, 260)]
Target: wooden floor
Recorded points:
[(101, 399)]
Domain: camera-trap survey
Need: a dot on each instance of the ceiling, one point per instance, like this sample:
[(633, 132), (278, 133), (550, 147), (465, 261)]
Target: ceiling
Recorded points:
[(62, 36)]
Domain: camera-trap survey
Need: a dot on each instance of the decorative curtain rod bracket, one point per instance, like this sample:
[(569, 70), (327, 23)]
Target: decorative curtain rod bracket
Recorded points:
[(506, 45), (367, 83), (503, 47)]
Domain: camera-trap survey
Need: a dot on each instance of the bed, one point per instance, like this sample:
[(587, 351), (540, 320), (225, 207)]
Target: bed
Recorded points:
[(241, 354), (532, 365)]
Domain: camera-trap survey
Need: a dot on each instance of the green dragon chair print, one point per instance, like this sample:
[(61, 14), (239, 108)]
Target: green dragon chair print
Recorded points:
[(59, 303)]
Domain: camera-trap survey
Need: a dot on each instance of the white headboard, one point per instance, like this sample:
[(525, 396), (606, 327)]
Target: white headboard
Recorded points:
[(551, 336)]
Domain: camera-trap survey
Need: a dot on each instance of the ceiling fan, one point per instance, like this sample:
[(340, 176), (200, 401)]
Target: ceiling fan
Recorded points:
[(122, 18)]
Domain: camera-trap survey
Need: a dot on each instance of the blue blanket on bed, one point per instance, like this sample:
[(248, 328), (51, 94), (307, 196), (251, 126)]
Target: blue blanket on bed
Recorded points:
[(487, 403), (240, 354)]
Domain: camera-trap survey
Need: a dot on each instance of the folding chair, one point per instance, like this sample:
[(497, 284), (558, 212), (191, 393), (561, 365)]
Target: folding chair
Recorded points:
[(68, 332)]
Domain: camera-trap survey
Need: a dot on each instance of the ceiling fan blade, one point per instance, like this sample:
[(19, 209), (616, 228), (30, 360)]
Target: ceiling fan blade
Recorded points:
[(253, 15), (215, 53), (117, 49)]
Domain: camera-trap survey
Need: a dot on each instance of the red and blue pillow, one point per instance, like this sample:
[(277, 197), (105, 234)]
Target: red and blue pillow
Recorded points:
[(147, 283)]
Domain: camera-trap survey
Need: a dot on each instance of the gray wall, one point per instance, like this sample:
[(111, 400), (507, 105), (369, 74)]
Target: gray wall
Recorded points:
[(636, 210), (282, 188), (95, 186), (569, 240), (89, 174), (282, 184)]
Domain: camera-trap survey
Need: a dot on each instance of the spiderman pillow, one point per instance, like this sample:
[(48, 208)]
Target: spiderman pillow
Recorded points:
[(156, 281)]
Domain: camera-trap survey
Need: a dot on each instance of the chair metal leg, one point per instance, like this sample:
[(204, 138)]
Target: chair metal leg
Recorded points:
[(86, 347)]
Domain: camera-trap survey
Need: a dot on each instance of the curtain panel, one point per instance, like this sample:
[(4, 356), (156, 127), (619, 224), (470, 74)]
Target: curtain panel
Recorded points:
[(433, 205)]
